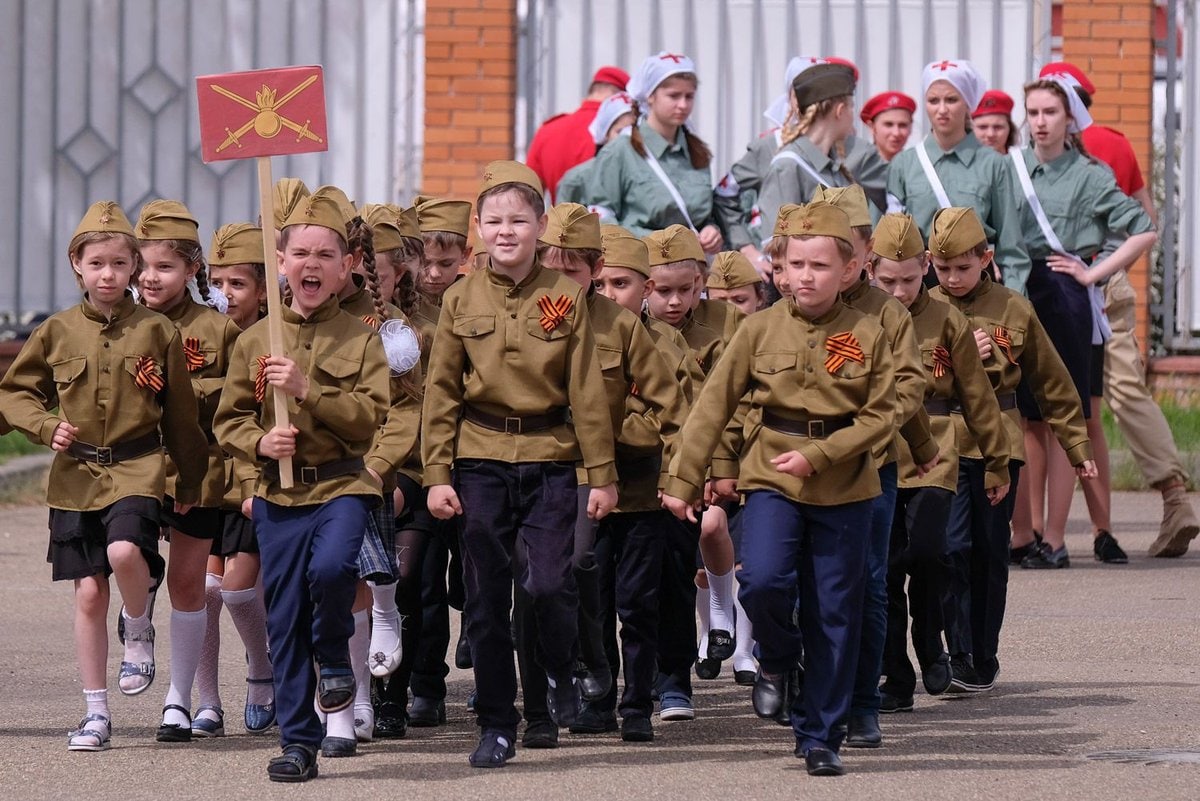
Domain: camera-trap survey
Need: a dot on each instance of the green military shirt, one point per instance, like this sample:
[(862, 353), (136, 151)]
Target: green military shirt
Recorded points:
[(954, 374), (575, 185), (628, 193), (1082, 202), (780, 358), (213, 334), (347, 400), (973, 176), (491, 351), (735, 198), (80, 367), (1002, 313)]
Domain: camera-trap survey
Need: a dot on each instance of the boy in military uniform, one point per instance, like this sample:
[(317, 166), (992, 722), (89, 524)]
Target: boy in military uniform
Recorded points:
[(820, 382), (336, 378), (733, 279), (514, 350)]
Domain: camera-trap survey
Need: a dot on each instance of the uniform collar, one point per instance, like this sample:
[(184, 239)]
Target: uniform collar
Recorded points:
[(1053, 168), (820, 161), (921, 303), (326, 311), (177, 312), (964, 151), (656, 144), (827, 317), (856, 290), (507, 283), (981, 289), (360, 287), (120, 311)]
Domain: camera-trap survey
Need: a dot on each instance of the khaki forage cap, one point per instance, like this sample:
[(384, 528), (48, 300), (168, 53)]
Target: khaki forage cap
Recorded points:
[(572, 226), (167, 219), (448, 216), (731, 270), (816, 219), (390, 225), (320, 208), (897, 238), (954, 232), (499, 173), (345, 206), (103, 217), (288, 192), (236, 243), (623, 249), (674, 243), (850, 199)]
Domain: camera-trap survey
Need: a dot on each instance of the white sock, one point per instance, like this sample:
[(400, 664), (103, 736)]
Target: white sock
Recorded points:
[(702, 612), (208, 688), (743, 654), (720, 595), (97, 702), (385, 620), (360, 642), (250, 618), (187, 639), (136, 651)]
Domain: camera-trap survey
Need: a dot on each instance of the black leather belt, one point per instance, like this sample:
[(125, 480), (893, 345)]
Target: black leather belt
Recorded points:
[(516, 425), (811, 427), (314, 474), (111, 454), (1007, 401), (942, 406), (630, 468)]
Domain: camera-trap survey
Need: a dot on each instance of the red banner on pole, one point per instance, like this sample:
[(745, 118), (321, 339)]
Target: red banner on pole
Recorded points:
[(273, 112)]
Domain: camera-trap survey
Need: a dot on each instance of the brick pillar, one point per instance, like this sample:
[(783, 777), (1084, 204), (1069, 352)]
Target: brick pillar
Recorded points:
[(470, 92), (1113, 42)]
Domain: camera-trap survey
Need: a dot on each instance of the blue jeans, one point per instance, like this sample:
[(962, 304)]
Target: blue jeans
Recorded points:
[(874, 624)]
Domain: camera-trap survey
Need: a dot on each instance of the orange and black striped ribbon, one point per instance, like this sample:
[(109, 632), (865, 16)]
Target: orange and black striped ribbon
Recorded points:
[(942, 365), (553, 311), (842, 348), (1004, 342), (633, 389), (260, 380), (147, 375), (371, 321), (192, 354)]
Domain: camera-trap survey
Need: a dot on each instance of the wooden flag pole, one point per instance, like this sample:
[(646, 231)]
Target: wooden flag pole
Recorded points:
[(274, 302)]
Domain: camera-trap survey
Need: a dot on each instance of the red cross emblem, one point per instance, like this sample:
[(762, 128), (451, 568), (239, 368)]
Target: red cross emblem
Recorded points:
[(945, 65), (671, 57)]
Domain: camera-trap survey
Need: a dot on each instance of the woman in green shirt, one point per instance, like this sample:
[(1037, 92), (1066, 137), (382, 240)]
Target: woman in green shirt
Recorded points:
[(659, 175)]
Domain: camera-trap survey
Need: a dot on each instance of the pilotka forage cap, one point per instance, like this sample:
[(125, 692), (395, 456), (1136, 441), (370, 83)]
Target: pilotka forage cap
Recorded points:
[(390, 224), (731, 270), (572, 226), (815, 219), (104, 217), (623, 249), (337, 195), (288, 192), (672, 244), (954, 232), (897, 238), (499, 173), (439, 214), (850, 199), (236, 243), (823, 82), (320, 208), (167, 219)]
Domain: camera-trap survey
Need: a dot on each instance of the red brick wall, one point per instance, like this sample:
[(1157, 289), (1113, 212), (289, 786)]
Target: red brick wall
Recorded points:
[(470, 92), (1113, 42)]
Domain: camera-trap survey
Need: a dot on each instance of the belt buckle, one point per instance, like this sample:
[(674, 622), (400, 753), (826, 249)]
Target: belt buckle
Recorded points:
[(308, 475), (512, 425), (104, 455), (816, 429)]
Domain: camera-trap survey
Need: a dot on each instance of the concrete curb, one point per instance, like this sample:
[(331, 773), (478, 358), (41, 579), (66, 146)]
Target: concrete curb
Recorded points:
[(24, 470)]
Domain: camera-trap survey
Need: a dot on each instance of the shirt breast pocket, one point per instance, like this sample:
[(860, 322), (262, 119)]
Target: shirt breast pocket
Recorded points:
[(611, 364), (66, 373), (769, 364), (538, 331), (336, 370)]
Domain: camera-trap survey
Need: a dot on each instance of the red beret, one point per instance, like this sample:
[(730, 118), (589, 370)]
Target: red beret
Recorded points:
[(886, 102), (993, 102), (612, 75), (1070, 69)]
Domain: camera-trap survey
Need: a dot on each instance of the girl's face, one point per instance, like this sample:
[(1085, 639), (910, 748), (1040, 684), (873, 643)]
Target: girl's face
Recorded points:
[(900, 279), (623, 286), (992, 131), (891, 129), (387, 273), (946, 109), (674, 287), (105, 269), (316, 265), (242, 288), (961, 274), (1047, 117), (670, 104), (744, 298), (164, 276)]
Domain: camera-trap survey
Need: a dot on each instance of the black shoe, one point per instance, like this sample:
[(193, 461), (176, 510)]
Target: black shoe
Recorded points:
[(822, 762), (770, 696), (745, 678), (593, 720), (988, 673), (471, 701), (494, 750), (563, 700), (426, 713), (1046, 558), (391, 721), (1016, 555), (335, 689), (637, 729), (889, 704), (863, 731), (297, 763), (540, 734), (964, 679), (1107, 550), (721, 644), (462, 653), (937, 676), (708, 668), (337, 747), (174, 732), (594, 685)]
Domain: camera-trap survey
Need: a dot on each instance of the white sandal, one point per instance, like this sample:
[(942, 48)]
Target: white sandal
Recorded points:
[(94, 734)]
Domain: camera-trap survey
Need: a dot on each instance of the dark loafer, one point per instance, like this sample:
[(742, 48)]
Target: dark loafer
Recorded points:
[(937, 676), (637, 729), (540, 734), (391, 721), (335, 689), (426, 713), (863, 731), (708, 668), (823, 762), (337, 747), (721, 644), (297, 763), (494, 750), (769, 696), (595, 685), (593, 720)]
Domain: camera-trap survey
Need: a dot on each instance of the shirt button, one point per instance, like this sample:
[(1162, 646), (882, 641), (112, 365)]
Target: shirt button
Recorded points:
[(808, 369), (106, 369), (812, 343), (308, 346), (513, 316)]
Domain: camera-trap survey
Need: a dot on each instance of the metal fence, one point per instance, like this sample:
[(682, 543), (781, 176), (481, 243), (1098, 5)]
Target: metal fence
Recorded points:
[(100, 104), (1176, 306)]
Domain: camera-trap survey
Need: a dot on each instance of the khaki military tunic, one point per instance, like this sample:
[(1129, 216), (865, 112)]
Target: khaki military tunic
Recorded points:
[(338, 419), (780, 358), (674, 348), (720, 316), (80, 367), (1001, 312), (954, 374), (492, 352)]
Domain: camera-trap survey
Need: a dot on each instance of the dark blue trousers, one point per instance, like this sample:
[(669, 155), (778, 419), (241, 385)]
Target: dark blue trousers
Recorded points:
[(818, 555), (874, 623), (309, 571), (518, 524)]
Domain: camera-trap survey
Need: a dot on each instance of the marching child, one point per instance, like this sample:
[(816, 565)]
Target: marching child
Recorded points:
[(733, 279), (105, 384)]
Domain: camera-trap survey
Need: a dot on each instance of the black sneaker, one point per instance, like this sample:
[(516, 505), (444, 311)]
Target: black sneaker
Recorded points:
[(937, 676), (593, 720), (540, 734), (889, 704), (964, 680), (1107, 550), (637, 729), (1016, 555), (1047, 558)]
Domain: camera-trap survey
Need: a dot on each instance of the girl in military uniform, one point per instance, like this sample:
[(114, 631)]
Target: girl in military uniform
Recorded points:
[(889, 115), (106, 384)]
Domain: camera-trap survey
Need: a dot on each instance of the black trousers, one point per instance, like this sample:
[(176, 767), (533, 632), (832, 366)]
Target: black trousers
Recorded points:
[(429, 668), (677, 606)]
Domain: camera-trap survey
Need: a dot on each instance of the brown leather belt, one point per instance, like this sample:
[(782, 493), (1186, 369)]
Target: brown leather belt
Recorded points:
[(811, 427), (1007, 401), (111, 454), (516, 425), (315, 474), (942, 406), (631, 468)]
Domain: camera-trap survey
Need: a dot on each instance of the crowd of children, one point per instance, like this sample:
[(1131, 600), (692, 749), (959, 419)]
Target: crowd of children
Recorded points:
[(781, 422)]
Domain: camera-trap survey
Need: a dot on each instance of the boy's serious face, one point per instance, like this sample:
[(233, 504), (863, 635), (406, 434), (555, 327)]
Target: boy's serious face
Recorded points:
[(441, 268), (315, 264), (961, 274), (900, 279), (815, 273), (671, 298), (624, 286), (744, 298), (509, 228)]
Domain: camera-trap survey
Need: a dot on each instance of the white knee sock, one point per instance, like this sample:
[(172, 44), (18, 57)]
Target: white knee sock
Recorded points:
[(360, 642), (207, 687), (250, 619), (702, 612), (743, 655), (720, 594), (385, 621), (187, 639)]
